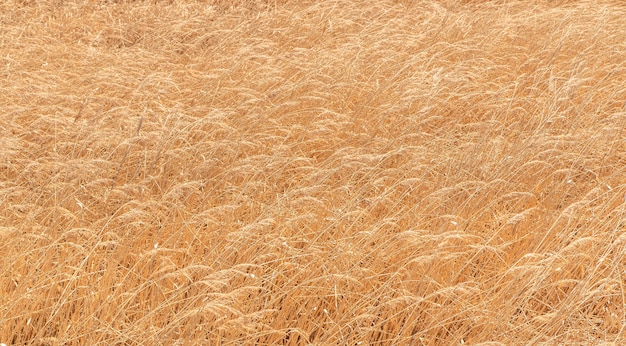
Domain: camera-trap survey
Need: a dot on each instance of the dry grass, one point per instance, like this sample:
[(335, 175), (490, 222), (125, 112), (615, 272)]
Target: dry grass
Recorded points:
[(336, 172)]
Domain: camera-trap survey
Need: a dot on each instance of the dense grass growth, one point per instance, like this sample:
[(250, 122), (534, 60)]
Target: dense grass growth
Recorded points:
[(335, 172)]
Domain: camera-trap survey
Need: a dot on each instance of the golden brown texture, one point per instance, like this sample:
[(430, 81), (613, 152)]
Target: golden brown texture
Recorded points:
[(333, 172)]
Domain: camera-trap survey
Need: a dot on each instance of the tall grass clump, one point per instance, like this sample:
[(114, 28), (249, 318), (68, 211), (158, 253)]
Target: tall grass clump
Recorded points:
[(334, 172)]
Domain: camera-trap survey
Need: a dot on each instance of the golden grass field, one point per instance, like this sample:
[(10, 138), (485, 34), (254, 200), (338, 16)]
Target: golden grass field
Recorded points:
[(326, 172)]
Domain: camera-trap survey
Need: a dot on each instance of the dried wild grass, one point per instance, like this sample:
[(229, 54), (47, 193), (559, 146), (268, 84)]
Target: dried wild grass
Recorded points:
[(336, 172)]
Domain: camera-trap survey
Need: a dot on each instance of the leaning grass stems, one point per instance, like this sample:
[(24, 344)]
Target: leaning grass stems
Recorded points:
[(267, 172)]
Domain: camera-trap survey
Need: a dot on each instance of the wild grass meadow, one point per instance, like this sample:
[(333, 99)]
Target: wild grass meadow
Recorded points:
[(340, 172)]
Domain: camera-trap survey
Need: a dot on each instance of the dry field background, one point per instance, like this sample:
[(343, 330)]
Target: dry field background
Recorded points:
[(337, 172)]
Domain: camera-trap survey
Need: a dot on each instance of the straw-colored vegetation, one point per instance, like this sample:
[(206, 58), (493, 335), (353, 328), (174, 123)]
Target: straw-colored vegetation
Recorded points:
[(333, 172)]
